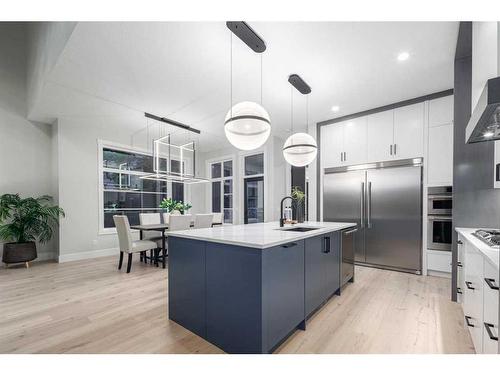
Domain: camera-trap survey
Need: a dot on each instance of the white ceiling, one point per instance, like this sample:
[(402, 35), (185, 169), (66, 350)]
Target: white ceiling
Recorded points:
[(182, 70)]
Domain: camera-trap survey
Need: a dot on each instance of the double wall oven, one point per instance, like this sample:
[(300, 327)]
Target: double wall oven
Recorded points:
[(439, 225)]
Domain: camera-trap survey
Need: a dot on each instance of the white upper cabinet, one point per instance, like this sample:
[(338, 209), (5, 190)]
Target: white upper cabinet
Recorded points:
[(355, 141), (380, 136), (441, 111), (409, 131), (440, 161), (332, 145)]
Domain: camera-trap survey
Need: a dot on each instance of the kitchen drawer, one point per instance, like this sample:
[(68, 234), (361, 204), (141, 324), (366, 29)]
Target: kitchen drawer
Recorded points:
[(473, 296), (490, 309)]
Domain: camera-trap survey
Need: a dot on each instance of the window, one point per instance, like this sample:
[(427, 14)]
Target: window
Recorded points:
[(221, 175), (254, 189), (123, 191)]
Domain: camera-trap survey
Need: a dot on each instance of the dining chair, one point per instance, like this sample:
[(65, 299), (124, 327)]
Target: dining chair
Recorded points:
[(166, 217), (127, 245), (152, 235), (203, 220), (217, 218), (179, 222)]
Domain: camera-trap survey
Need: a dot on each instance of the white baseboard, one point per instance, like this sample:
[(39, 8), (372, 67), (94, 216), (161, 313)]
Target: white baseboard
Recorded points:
[(87, 255), (446, 275)]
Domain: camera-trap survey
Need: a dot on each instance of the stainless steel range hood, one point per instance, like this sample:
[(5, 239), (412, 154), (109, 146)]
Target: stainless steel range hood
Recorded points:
[(484, 123)]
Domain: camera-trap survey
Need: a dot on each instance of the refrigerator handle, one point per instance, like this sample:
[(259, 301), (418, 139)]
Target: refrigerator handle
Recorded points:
[(369, 205), (362, 205)]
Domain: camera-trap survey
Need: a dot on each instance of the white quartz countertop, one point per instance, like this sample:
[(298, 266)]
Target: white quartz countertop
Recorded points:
[(259, 235), (493, 255)]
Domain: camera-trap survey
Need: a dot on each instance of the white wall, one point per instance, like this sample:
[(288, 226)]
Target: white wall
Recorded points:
[(46, 42), (312, 178), (485, 61), (25, 147)]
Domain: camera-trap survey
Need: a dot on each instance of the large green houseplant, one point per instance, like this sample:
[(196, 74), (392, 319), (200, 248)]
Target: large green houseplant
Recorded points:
[(24, 221)]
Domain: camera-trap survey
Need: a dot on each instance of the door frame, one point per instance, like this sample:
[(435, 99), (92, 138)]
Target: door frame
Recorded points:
[(245, 206)]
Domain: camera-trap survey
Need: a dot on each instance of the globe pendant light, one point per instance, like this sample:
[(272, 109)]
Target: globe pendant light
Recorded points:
[(300, 149), (247, 124)]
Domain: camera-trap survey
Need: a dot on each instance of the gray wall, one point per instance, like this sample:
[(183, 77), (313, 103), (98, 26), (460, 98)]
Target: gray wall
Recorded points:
[(475, 202)]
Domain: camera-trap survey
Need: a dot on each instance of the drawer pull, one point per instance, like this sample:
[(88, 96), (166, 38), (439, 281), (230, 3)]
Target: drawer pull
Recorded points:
[(291, 244), (326, 244), (459, 264), (459, 290), (491, 284), (468, 283), (488, 327), (467, 321), (460, 242)]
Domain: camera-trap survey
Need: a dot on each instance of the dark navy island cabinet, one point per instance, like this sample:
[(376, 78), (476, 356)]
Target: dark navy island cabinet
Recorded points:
[(247, 300)]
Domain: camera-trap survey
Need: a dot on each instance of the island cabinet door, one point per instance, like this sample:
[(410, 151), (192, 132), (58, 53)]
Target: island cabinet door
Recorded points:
[(234, 298), (315, 277), (282, 292), (331, 244), (186, 284)]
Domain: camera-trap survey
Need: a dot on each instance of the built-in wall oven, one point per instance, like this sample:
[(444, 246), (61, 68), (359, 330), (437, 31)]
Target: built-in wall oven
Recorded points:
[(439, 224)]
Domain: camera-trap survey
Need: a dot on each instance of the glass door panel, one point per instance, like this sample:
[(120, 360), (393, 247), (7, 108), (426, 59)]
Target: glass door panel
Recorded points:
[(254, 200)]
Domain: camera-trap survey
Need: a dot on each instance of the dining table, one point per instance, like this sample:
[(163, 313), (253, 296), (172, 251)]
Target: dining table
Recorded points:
[(162, 227), (155, 227)]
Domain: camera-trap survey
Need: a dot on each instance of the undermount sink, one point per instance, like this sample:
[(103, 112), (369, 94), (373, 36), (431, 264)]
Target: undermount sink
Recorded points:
[(299, 229)]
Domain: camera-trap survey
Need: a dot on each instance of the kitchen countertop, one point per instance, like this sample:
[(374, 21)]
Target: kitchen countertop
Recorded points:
[(259, 235), (491, 254)]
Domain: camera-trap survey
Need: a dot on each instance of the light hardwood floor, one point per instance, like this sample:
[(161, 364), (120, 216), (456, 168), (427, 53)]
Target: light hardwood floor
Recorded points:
[(91, 307)]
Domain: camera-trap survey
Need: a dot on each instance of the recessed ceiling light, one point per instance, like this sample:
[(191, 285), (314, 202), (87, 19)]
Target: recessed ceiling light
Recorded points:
[(335, 108), (403, 56), (488, 134)]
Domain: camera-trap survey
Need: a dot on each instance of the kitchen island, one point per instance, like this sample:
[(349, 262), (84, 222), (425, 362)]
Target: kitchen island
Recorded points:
[(246, 288)]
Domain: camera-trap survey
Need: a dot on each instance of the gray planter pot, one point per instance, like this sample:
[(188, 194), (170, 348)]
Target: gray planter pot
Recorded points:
[(19, 252)]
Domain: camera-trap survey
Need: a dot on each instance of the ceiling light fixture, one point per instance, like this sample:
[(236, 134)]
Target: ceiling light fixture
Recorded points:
[(300, 149), (403, 56), (335, 108), (247, 124)]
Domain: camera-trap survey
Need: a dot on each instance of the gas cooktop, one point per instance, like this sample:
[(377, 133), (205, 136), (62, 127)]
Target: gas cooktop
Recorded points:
[(490, 237)]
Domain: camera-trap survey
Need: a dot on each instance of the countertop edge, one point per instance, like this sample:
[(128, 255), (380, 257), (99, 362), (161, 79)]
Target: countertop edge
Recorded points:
[(301, 236), (482, 248)]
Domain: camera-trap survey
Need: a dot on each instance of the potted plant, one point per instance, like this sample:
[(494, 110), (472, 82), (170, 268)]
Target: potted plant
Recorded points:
[(174, 207), (24, 221), (298, 203)]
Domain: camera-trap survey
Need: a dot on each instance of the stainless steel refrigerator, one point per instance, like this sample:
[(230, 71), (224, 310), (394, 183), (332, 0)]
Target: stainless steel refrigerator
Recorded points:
[(385, 200)]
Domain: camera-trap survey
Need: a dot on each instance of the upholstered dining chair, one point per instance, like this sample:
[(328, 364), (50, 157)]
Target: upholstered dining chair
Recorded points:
[(203, 220), (152, 235), (217, 220), (127, 245), (179, 222)]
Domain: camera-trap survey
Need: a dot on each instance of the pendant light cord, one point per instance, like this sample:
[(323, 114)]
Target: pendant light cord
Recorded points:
[(261, 101), (291, 111), (231, 74)]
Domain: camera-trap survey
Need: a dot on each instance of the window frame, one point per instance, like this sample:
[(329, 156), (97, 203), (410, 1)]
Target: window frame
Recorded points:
[(101, 145), (252, 176), (221, 179)]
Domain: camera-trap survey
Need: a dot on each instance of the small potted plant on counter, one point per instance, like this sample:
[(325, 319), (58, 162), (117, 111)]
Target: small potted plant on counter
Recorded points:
[(24, 221)]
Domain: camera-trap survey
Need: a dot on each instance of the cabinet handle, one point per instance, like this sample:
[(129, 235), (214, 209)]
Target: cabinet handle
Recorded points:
[(341, 156), (326, 244), (468, 283), (491, 283), (467, 321), (459, 242), (345, 156), (391, 149), (291, 244), (351, 231), (488, 327), (459, 264), (395, 152), (459, 290)]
